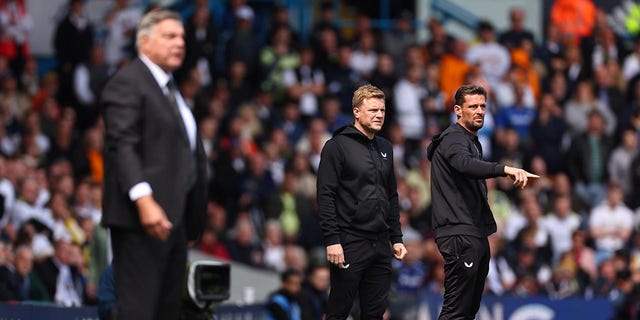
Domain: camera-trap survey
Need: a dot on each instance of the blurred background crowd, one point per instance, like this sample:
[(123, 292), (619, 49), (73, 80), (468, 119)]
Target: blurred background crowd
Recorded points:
[(565, 106)]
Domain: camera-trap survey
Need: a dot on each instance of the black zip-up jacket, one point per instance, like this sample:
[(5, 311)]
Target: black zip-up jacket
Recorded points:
[(357, 191), (458, 190)]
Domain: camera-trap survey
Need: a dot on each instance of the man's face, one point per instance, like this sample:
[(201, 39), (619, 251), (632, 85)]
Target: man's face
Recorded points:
[(24, 262), (370, 115), (471, 112), (164, 45), (293, 285)]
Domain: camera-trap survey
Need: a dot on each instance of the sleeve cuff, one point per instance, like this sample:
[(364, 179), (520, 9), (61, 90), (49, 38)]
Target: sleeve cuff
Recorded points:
[(331, 240), (140, 190), (500, 170)]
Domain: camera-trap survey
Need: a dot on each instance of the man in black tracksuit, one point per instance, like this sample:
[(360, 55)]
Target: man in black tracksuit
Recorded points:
[(462, 219), (359, 213)]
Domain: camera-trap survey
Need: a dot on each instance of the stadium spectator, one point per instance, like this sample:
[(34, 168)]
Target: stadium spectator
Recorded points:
[(121, 22), (283, 303), (610, 224), (492, 58), (586, 161)]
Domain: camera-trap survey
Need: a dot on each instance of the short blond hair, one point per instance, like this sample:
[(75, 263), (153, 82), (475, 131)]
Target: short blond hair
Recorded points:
[(151, 19), (367, 91)]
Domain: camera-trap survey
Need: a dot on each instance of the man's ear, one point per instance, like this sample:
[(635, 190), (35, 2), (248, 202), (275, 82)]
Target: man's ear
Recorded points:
[(458, 110), (356, 112)]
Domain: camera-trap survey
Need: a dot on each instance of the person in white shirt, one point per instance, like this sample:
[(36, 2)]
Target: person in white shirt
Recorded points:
[(28, 207), (631, 64), (560, 224), (121, 23), (408, 94), (610, 224), (305, 83), (493, 58), (364, 57)]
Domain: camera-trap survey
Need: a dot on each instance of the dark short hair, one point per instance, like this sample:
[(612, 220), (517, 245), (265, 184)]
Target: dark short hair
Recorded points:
[(468, 90), (289, 273)]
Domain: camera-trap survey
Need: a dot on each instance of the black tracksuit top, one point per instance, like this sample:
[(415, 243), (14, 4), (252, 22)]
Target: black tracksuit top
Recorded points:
[(458, 188), (357, 191)]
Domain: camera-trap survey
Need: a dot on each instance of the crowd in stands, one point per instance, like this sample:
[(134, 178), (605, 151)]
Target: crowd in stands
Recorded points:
[(565, 106)]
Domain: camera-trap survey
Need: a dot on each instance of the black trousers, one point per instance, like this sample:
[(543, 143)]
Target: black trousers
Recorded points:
[(465, 270), (149, 274), (368, 276)]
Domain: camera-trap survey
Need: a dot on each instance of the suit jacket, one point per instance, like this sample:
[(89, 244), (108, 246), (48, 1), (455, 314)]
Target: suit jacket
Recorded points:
[(10, 283), (47, 272), (145, 141)]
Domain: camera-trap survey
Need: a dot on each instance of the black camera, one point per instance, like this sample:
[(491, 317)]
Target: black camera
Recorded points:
[(207, 284)]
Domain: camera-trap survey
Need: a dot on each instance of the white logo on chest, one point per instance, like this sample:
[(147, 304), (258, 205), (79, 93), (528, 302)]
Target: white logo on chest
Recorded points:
[(383, 154)]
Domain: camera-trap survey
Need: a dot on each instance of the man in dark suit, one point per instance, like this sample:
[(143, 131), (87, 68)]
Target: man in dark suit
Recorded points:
[(154, 185), (62, 280), (19, 282)]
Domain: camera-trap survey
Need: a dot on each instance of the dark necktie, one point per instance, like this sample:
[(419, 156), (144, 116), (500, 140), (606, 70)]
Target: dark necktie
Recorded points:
[(172, 90)]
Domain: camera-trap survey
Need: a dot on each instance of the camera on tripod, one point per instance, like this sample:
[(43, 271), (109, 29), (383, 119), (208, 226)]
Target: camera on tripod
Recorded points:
[(207, 284)]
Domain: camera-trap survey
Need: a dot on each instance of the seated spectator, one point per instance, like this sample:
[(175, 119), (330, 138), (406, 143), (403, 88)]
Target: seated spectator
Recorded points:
[(256, 184), (275, 58), (500, 279), (385, 77), (547, 133), (243, 245), (28, 207), (283, 303), (65, 225), (492, 57), (210, 243), (305, 83), (273, 246), (395, 41), (531, 274), (579, 108), (332, 114), (619, 164), (516, 116), (290, 122), (364, 57), (289, 208), (514, 90), (586, 160), (561, 223), (583, 256), (610, 224), (517, 32), (410, 277), (563, 283), (605, 285), (18, 282), (408, 94), (62, 279), (341, 79), (295, 257), (107, 301), (314, 296)]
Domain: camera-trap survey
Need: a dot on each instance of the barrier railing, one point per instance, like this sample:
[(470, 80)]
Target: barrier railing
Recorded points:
[(425, 307)]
